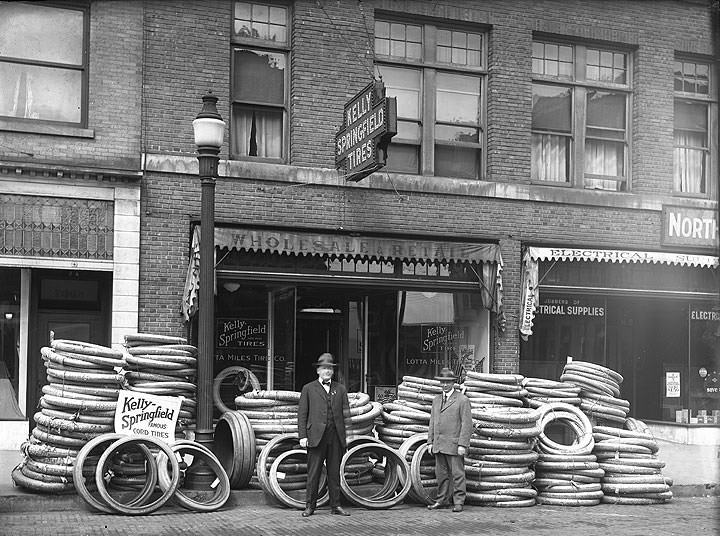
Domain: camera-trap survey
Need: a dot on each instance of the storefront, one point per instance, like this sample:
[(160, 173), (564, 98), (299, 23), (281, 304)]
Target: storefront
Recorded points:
[(384, 306), (653, 317)]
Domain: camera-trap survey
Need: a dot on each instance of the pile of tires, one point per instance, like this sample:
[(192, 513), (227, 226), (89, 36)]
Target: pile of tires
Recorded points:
[(498, 464), (77, 405), (163, 474), (567, 474), (633, 472), (423, 487), (418, 391), (599, 391), (542, 391), (487, 389), (230, 383), (404, 418), (360, 420), (165, 366)]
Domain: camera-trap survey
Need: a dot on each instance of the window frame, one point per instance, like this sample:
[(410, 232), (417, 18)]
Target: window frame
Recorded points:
[(429, 67), (580, 87), (48, 125), (263, 45), (711, 104)]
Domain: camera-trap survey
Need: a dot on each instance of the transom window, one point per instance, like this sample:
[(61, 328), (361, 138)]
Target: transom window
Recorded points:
[(438, 77), (692, 154), (259, 81), (43, 63), (580, 116)]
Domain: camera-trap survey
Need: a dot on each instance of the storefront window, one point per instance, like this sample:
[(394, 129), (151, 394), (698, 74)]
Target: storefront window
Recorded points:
[(704, 374), (438, 329), (9, 342)]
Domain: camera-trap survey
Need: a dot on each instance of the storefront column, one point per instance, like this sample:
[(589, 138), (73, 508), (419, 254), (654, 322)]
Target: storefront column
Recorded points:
[(507, 342)]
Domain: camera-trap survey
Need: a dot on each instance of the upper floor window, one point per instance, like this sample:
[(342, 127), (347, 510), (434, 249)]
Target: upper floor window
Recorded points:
[(580, 118), (691, 132), (43, 63), (438, 77), (259, 80)]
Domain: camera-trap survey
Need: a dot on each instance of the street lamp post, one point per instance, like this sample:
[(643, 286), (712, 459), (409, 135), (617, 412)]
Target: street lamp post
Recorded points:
[(209, 129)]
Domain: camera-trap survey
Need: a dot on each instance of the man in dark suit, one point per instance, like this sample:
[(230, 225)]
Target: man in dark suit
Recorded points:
[(321, 429), (448, 439)]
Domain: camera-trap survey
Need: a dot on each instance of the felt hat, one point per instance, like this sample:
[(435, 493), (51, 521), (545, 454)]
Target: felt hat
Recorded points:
[(446, 374), (325, 360)]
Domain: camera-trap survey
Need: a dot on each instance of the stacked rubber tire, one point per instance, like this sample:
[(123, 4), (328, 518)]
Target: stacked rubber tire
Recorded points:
[(165, 366), (77, 405), (542, 391), (164, 468), (486, 389), (599, 391), (498, 465), (633, 472), (405, 418), (567, 474), (230, 383), (360, 420)]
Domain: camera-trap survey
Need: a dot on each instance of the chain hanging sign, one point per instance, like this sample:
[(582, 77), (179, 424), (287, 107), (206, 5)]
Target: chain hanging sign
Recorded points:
[(369, 123)]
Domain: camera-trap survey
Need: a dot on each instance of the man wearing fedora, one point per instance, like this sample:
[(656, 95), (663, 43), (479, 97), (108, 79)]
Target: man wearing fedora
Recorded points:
[(321, 429), (448, 439)]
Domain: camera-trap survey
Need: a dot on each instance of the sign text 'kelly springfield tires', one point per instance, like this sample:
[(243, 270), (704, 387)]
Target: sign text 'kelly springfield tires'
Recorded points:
[(369, 123), (146, 415)]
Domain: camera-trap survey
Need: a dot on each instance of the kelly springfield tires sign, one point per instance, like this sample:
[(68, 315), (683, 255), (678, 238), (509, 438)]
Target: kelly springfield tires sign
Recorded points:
[(369, 123), (147, 415)]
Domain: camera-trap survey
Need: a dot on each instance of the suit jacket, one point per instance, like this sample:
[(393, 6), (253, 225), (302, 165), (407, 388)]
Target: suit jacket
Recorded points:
[(312, 411), (450, 426)]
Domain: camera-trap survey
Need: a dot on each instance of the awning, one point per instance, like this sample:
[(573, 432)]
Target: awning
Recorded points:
[(348, 247), (530, 284)]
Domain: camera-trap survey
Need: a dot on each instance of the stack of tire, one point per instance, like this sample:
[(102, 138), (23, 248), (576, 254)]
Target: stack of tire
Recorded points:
[(165, 366), (599, 391), (542, 391), (360, 421), (405, 418), (486, 389), (498, 464), (632, 468), (77, 405), (567, 474)]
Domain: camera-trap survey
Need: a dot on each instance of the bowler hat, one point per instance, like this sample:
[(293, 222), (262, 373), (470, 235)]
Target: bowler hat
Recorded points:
[(325, 360), (446, 374)]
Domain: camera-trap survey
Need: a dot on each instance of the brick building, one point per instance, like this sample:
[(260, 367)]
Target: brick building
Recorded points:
[(551, 190)]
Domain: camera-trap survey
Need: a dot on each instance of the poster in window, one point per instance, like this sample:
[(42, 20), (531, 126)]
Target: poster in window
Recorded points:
[(240, 342), (672, 384)]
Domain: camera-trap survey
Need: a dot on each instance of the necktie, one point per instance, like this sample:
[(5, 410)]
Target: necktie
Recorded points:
[(326, 382)]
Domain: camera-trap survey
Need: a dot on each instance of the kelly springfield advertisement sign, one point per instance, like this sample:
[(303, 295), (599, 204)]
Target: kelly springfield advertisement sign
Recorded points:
[(240, 341), (147, 415)]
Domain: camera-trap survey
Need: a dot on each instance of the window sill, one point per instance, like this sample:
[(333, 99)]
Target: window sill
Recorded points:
[(45, 128)]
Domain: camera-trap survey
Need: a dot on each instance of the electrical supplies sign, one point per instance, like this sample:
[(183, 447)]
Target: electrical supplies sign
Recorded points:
[(369, 123), (147, 415)]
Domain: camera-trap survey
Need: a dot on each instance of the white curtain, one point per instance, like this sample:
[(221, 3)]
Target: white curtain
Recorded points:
[(689, 163), (604, 158), (549, 158), (258, 134)]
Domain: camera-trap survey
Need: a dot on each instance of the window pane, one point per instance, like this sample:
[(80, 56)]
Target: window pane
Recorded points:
[(606, 109), (462, 162), (692, 77), (550, 158), (604, 158), (606, 66), (405, 85), (408, 131), (260, 21), (257, 131), (259, 77), (40, 93), (403, 158), (690, 167), (457, 99), (691, 116), (552, 108), (467, 134), (40, 33)]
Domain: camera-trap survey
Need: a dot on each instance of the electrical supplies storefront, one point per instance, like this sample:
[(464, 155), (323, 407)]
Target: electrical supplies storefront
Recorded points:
[(385, 307), (651, 316)]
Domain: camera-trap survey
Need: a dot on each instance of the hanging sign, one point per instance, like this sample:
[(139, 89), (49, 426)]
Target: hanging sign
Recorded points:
[(369, 123), (691, 227), (147, 415)]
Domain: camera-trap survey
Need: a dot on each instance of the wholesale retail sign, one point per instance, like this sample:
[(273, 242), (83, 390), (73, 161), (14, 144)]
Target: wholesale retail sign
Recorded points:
[(147, 415), (369, 123)]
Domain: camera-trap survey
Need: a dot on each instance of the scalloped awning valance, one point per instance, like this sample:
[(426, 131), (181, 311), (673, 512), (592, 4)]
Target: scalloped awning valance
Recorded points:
[(338, 246), (530, 283)]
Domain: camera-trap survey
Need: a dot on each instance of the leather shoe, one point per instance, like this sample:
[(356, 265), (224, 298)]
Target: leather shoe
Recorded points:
[(308, 512), (338, 511), (436, 506), (457, 508)]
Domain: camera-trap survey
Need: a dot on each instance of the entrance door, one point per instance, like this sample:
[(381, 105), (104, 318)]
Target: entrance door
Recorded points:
[(316, 333)]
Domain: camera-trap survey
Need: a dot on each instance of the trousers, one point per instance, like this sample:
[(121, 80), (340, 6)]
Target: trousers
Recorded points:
[(450, 467), (329, 451)]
